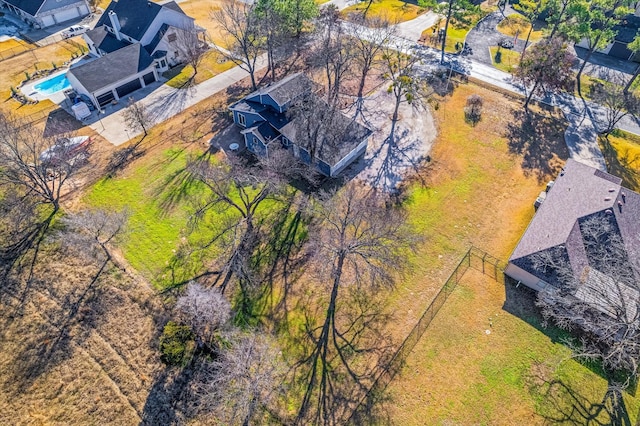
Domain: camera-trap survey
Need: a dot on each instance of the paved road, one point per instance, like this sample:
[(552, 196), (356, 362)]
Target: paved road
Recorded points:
[(164, 101)]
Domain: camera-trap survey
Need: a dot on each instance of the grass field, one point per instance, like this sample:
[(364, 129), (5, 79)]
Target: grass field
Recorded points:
[(212, 64), (455, 33), (41, 58), (394, 10), (200, 10), (622, 154), (518, 24), (485, 359), (509, 59), (12, 47), (481, 186)]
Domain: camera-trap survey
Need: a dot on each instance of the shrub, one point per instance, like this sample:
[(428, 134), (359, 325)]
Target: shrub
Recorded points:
[(498, 57), (473, 109), (177, 344)]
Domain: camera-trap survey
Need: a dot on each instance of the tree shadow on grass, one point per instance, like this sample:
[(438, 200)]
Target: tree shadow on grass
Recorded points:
[(563, 404), (539, 139), (167, 403), (624, 164)]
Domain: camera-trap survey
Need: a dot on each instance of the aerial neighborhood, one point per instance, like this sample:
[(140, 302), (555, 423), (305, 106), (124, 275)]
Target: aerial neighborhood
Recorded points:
[(320, 212)]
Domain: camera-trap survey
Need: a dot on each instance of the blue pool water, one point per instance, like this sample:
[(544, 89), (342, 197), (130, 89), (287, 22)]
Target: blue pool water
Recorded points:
[(52, 85)]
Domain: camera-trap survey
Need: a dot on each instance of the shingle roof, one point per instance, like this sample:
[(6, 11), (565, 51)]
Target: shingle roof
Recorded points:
[(29, 6), (286, 90), (52, 5), (104, 40), (157, 38), (120, 64), (579, 193), (135, 16)]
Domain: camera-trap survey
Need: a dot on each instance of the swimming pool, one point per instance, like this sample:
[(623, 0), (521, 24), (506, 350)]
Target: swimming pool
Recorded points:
[(52, 84)]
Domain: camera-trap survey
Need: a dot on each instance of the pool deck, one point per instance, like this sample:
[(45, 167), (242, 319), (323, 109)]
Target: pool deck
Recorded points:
[(29, 90)]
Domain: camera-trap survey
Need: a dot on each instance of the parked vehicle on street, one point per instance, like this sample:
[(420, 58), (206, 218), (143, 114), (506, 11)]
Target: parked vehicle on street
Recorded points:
[(74, 31)]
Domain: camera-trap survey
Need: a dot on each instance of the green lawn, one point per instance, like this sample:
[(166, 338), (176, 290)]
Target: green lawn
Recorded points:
[(156, 192), (518, 24), (507, 60), (622, 153), (395, 11), (212, 64), (456, 33), (487, 360)]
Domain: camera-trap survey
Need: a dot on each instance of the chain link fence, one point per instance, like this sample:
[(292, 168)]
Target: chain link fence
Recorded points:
[(474, 258)]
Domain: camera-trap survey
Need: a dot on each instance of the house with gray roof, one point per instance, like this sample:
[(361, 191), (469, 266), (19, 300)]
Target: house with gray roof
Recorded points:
[(559, 251), (132, 43), (268, 118), (46, 13)]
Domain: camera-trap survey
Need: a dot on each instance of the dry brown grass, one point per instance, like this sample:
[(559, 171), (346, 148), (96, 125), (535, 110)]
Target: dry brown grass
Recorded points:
[(14, 73), (201, 10), (73, 353)]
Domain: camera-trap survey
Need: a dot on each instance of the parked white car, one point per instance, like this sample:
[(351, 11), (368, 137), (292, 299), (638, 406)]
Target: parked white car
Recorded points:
[(74, 31)]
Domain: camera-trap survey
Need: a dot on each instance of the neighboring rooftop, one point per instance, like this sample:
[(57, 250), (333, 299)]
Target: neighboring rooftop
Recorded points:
[(122, 63), (286, 90), (29, 6), (135, 16), (578, 191)]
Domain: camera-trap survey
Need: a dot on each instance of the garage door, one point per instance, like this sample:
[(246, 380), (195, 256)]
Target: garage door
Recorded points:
[(619, 50), (149, 78), (105, 98), (66, 15), (48, 21), (129, 87)]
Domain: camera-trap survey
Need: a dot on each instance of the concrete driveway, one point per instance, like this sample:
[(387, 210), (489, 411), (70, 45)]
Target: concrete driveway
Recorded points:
[(413, 29)]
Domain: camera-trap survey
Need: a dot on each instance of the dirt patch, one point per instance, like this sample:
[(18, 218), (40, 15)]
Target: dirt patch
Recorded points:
[(395, 149)]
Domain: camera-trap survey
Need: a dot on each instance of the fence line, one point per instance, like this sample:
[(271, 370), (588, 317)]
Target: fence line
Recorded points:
[(474, 258)]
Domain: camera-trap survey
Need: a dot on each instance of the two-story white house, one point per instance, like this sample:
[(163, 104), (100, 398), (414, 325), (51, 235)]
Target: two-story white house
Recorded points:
[(46, 13), (131, 45)]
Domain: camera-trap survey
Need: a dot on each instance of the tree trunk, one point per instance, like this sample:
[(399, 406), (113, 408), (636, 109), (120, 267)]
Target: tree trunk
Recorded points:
[(526, 43), (592, 48), (557, 23), (366, 9), (535, 86), (446, 27), (397, 106)]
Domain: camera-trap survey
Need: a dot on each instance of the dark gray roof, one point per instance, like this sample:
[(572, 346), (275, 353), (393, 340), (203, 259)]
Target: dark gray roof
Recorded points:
[(173, 6), (56, 4), (346, 135), (247, 106), (112, 67), (29, 6), (104, 40), (135, 16), (286, 90), (627, 29), (580, 192)]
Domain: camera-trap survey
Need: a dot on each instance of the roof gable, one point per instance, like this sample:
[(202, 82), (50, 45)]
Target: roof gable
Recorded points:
[(135, 16), (120, 64), (29, 6), (283, 92), (56, 4)]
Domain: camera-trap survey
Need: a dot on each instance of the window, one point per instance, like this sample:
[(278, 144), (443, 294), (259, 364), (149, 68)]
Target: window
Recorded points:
[(241, 120), (286, 142), (163, 63), (171, 37)]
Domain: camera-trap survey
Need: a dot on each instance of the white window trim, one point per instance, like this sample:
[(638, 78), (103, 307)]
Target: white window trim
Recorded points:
[(241, 120)]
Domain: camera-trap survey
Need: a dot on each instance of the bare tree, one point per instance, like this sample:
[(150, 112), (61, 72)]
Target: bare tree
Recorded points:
[(368, 41), (358, 244), (332, 52), (35, 171), (243, 40), (401, 68), (205, 310), (243, 384), (616, 102), (239, 190), (136, 116), (601, 300), (191, 48), (272, 26)]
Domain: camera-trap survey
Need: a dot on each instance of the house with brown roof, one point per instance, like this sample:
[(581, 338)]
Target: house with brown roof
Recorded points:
[(561, 249)]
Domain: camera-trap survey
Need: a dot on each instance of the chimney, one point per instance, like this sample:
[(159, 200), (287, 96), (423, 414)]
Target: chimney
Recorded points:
[(115, 24)]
